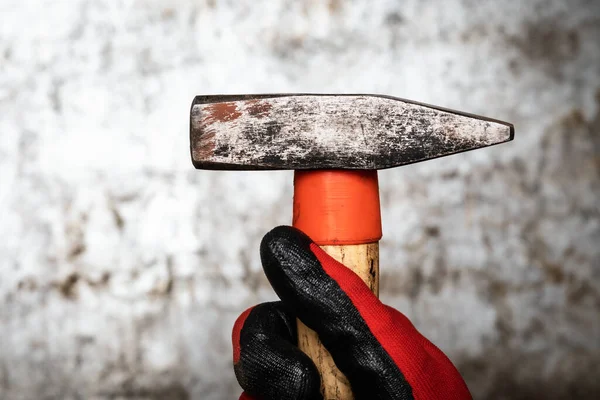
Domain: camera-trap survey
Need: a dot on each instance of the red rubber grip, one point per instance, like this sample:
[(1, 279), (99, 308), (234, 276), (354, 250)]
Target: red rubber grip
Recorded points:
[(337, 207)]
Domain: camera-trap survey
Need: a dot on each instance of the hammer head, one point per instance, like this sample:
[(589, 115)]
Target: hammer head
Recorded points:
[(308, 131)]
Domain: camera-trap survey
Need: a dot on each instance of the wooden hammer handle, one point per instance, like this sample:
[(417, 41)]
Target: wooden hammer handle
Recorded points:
[(363, 259), (340, 211)]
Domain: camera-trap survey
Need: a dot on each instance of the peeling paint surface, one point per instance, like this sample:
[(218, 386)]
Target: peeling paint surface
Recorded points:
[(122, 268)]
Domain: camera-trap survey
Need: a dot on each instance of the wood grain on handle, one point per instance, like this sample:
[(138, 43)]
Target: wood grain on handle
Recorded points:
[(363, 259)]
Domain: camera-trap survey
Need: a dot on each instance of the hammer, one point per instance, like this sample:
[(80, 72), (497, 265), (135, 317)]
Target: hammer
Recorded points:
[(335, 144)]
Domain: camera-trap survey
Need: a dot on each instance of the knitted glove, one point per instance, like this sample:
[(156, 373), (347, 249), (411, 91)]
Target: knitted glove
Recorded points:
[(375, 346)]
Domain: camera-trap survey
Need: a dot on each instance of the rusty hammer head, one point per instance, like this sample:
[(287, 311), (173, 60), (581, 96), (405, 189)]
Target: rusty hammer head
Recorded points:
[(354, 135), (306, 131)]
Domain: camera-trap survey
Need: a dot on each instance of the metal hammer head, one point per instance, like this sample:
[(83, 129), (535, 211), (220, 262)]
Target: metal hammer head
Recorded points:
[(309, 131)]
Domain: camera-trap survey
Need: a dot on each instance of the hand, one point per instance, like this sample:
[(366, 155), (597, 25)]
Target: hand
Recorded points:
[(375, 346)]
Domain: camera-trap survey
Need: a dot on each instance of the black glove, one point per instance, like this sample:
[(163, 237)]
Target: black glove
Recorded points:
[(375, 346)]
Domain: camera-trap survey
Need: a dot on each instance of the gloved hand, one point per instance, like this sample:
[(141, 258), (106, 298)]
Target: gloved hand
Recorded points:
[(375, 346)]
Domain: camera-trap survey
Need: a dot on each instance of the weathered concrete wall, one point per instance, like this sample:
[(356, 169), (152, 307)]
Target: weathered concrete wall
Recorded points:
[(122, 269)]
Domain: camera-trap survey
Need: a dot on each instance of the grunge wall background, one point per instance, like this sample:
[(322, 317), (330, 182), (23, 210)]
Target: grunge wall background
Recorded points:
[(122, 269)]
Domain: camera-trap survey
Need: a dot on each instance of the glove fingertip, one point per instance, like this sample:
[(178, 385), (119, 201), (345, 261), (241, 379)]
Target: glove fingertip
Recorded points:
[(279, 240), (286, 258)]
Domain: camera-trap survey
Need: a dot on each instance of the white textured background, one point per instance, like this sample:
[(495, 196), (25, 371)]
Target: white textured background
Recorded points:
[(122, 269)]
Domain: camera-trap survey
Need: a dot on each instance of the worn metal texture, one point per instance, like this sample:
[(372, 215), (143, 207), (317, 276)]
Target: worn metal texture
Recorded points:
[(330, 131), (122, 268)]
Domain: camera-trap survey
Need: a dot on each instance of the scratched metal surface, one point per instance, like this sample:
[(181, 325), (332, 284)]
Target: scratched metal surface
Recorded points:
[(330, 131), (122, 268)]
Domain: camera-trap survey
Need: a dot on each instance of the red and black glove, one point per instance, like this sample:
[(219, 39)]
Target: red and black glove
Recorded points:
[(375, 346)]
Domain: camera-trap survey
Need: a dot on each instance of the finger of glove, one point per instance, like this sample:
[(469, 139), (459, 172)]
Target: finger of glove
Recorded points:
[(317, 297), (267, 362), (376, 347)]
